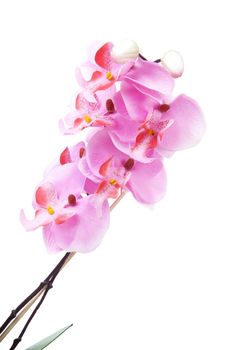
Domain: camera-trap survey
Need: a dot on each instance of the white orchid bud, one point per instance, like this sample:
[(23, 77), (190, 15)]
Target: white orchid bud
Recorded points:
[(173, 62), (125, 51)]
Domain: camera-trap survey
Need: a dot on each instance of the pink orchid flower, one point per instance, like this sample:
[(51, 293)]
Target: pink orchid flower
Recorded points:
[(83, 232), (51, 200), (86, 113), (70, 222), (100, 72), (160, 129), (116, 171)]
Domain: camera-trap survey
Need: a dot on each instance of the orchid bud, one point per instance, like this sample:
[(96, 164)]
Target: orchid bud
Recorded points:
[(173, 62), (125, 51)]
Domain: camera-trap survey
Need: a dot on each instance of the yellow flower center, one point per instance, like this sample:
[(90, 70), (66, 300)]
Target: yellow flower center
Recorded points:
[(109, 75), (50, 210), (87, 118), (113, 182), (151, 132)]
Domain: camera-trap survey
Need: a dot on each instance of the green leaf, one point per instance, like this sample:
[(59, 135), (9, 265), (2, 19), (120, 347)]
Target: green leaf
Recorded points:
[(45, 342)]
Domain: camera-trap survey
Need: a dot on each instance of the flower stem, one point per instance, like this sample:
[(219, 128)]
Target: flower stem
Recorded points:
[(145, 59), (49, 285), (42, 285)]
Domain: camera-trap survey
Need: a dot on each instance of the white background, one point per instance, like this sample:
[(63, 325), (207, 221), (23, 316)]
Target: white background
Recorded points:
[(162, 278)]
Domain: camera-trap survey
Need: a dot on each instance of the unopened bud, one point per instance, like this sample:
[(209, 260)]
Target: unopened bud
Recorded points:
[(173, 62), (125, 51)]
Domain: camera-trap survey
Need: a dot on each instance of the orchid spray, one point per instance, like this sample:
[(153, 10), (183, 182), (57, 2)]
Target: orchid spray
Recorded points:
[(134, 122)]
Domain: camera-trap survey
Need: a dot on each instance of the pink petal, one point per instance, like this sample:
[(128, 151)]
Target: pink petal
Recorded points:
[(124, 128), (77, 151), (151, 76), (103, 56), (86, 70), (98, 82), (188, 126), (90, 186), (148, 182), (92, 49), (103, 170), (137, 104), (67, 179), (49, 240), (65, 156), (103, 95), (84, 105), (86, 171), (83, 78), (45, 194), (42, 218), (100, 149)]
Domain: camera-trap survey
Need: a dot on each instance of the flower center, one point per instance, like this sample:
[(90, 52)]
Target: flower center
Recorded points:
[(51, 211), (87, 118), (110, 106), (72, 200), (113, 182), (164, 108), (151, 132), (109, 75)]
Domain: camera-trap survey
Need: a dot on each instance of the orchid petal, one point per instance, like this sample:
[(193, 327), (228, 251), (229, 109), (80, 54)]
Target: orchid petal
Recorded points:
[(84, 231), (148, 182), (103, 56), (137, 111), (45, 194), (67, 179), (100, 149), (150, 75), (42, 218), (188, 125)]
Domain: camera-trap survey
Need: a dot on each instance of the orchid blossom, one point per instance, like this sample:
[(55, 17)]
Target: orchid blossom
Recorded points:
[(157, 129), (135, 122), (64, 214)]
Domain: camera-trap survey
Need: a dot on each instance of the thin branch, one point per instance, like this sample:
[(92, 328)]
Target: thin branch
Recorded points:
[(32, 295), (47, 288), (20, 315), (67, 258), (145, 59)]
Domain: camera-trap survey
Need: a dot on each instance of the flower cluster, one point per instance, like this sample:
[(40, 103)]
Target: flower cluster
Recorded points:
[(126, 102)]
